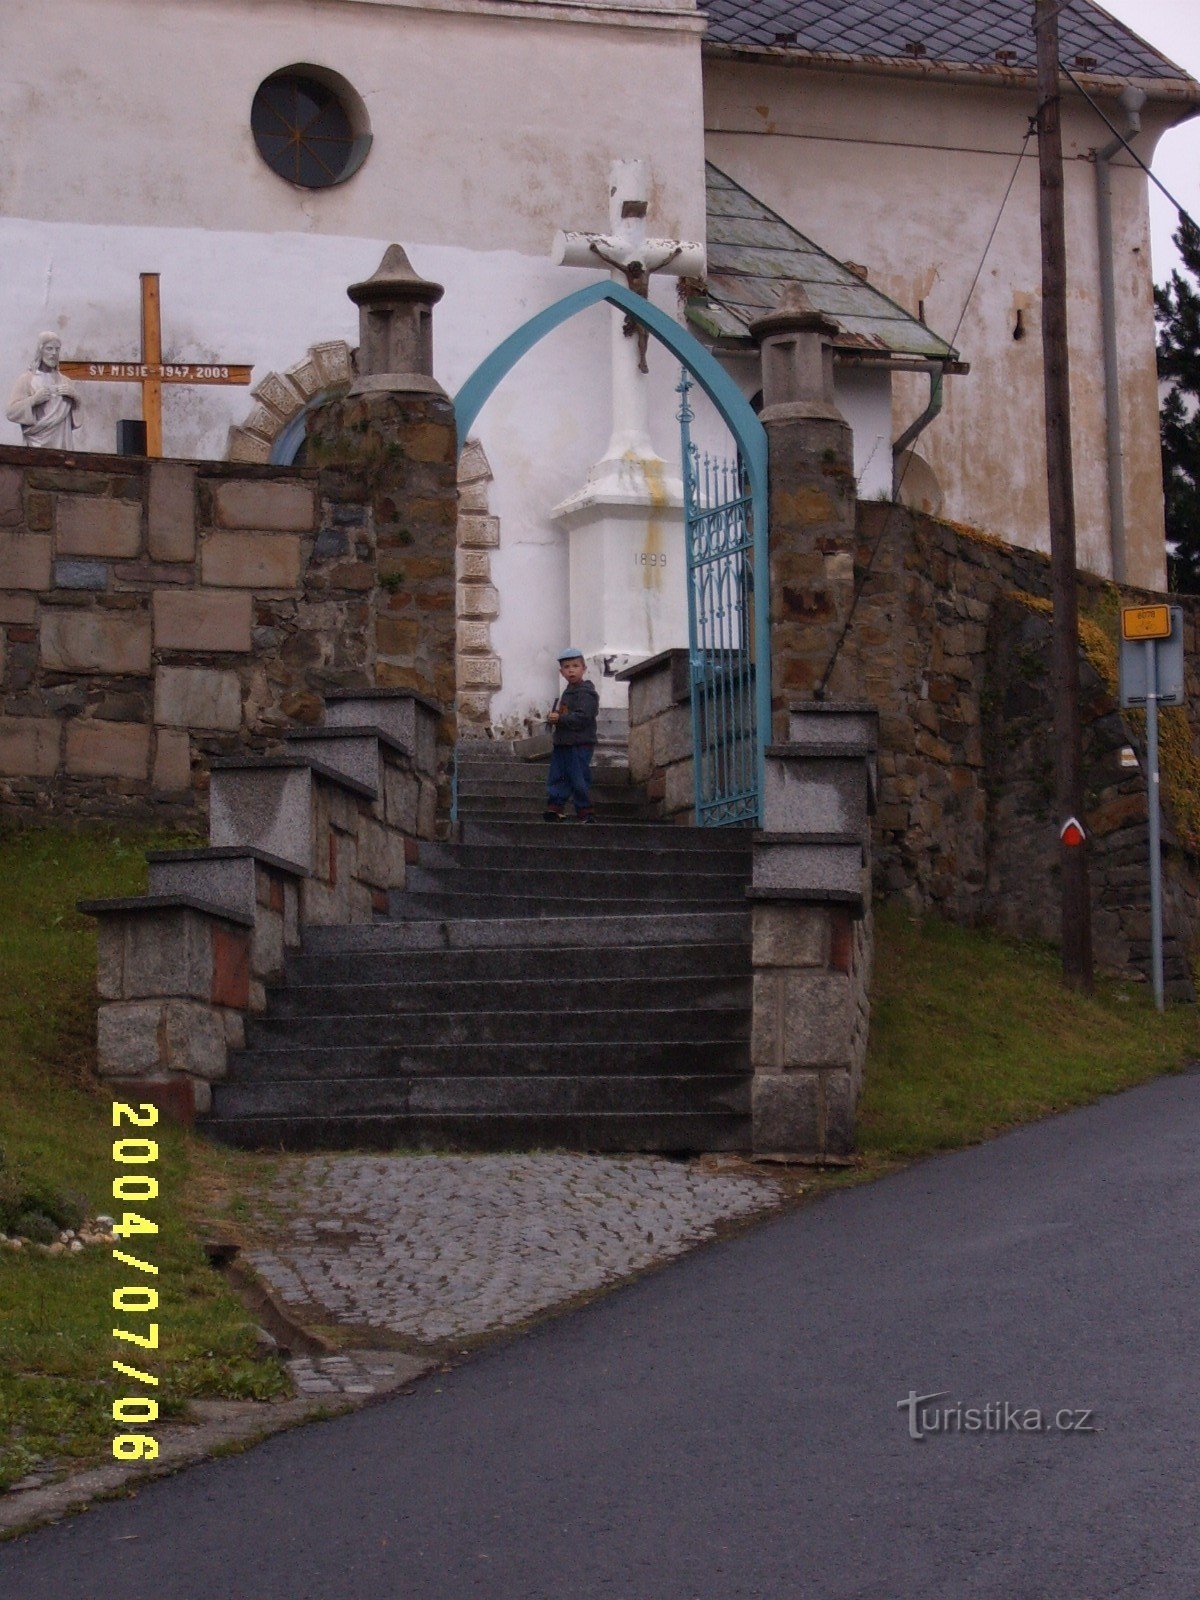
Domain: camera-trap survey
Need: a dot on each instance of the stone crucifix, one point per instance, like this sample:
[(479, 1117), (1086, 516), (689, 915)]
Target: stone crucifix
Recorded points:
[(632, 258)]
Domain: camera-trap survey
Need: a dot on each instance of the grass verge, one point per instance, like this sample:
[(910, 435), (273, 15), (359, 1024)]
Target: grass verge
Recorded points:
[(56, 1378), (972, 1033)]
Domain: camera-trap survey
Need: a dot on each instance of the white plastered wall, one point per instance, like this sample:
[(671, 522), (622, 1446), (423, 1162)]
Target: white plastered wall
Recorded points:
[(492, 126), (907, 178)]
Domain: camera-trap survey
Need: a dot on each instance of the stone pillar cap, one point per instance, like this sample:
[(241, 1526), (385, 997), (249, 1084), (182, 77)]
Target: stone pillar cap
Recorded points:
[(795, 313), (395, 278)]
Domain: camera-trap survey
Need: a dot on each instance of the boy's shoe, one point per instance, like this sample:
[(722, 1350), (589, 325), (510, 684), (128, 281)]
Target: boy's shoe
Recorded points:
[(584, 816), (550, 815)]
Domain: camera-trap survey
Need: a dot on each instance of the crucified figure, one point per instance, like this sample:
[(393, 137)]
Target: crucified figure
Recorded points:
[(632, 257)]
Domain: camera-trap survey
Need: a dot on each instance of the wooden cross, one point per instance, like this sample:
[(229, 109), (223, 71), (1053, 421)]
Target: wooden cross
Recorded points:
[(151, 372)]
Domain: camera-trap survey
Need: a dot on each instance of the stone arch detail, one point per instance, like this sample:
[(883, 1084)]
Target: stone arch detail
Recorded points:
[(281, 397), (477, 603)]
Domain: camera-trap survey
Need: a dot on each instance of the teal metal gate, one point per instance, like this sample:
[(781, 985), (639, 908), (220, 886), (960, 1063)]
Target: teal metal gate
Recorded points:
[(728, 724), (728, 570)]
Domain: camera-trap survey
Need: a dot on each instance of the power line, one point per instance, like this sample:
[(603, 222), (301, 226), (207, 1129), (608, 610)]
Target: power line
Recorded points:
[(819, 691)]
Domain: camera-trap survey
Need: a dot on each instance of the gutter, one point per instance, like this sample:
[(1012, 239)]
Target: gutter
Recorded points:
[(1181, 90), (937, 384)]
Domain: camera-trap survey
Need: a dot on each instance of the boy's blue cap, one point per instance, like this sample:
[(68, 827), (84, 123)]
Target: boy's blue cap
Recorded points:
[(570, 655)]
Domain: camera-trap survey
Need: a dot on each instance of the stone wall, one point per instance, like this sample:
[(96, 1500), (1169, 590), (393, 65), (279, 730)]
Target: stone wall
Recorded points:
[(477, 663), (660, 732), (157, 614), (951, 642), (390, 458)]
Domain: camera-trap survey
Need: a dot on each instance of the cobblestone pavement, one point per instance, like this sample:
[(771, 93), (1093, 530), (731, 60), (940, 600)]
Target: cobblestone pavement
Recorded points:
[(434, 1248)]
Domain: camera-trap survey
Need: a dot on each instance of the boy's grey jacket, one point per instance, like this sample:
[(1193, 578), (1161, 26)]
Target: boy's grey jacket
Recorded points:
[(578, 704)]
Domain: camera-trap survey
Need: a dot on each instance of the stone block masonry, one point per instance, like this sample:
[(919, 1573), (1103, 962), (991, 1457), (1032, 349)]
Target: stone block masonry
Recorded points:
[(319, 835), (477, 663), (392, 457), (812, 934), (157, 615), (660, 732), (951, 643)]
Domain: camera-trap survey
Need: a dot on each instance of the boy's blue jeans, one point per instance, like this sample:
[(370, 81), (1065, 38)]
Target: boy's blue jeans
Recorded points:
[(570, 777)]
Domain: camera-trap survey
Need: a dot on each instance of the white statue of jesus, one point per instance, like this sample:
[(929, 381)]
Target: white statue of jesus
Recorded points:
[(43, 402)]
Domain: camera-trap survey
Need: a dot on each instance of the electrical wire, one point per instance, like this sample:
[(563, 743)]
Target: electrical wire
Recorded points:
[(1117, 134), (860, 583)]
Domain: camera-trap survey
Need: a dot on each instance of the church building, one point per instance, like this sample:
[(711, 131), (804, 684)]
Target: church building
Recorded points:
[(257, 159)]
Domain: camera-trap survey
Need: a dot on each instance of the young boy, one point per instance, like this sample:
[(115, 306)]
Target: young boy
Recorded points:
[(574, 722)]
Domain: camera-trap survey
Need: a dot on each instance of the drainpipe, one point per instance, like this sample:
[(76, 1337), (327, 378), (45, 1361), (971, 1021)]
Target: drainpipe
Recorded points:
[(937, 379), (1132, 101)]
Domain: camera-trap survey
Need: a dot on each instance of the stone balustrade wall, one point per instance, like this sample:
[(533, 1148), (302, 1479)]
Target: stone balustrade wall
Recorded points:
[(320, 835), (951, 642), (158, 615), (660, 732)]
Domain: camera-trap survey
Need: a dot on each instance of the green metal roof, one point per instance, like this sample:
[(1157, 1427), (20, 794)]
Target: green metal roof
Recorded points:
[(753, 254)]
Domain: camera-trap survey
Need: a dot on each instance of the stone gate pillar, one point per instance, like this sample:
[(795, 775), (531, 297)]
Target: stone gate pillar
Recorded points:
[(387, 453), (811, 889), (812, 499)]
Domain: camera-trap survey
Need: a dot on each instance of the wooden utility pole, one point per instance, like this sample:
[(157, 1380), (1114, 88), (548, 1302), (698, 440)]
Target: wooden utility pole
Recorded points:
[(1068, 742)]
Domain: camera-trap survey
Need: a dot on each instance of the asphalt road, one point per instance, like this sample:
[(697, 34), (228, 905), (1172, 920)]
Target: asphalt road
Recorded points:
[(729, 1427)]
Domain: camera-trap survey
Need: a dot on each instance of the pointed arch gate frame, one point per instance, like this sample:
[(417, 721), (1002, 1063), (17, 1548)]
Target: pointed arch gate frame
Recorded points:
[(750, 436)]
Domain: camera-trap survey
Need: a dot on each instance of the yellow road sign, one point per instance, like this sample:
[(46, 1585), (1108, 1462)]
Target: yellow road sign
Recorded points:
[(1145, 622)]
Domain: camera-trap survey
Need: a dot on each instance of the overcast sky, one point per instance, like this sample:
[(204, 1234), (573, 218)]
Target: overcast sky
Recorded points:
[(1172, 26)]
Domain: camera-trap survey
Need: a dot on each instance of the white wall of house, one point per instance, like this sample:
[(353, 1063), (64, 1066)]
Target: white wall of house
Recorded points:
[(128, 149), (906, 178)]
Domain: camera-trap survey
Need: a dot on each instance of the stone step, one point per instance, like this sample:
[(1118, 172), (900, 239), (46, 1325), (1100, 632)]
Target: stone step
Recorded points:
[(532, 1096), (618, 1131), (560, 849), (402, 993), (522, 807), (649, 835), (490, 777), (469, 1028), (624, 1058), (563, 1094), (412, 969), (567, 881), (485, 750), (466, 933), (406, 905)]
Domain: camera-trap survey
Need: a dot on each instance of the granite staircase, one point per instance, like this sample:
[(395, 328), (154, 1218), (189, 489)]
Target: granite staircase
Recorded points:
[(533, 984)]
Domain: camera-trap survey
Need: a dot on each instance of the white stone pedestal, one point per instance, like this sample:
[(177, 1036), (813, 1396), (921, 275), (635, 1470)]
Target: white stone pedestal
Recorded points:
[(628, 572)]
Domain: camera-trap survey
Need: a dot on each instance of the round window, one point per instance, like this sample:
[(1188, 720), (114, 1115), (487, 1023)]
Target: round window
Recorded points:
[(310, 127)]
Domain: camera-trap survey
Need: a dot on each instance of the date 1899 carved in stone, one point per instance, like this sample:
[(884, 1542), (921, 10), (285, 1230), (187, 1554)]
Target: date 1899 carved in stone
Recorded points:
[(44, 402)]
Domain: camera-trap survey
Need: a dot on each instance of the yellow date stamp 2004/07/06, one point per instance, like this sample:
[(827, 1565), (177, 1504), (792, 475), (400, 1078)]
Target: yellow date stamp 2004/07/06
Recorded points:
[(133, 1155)]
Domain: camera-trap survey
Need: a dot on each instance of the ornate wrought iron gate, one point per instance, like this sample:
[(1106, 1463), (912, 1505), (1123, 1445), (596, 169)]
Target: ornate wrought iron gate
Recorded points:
[(728, 568), (719, 532)]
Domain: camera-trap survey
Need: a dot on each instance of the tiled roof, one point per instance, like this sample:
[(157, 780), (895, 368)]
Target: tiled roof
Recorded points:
[(753, 254), (977, 33)]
